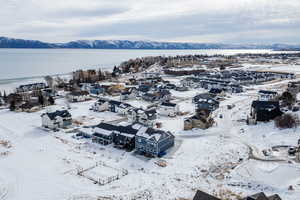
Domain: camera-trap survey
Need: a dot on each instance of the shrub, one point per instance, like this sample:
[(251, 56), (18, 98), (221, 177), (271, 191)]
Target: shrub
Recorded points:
[(287, 121)]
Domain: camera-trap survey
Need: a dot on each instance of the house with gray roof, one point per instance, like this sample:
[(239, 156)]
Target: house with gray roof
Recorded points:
[(153, 142), (57, 119)]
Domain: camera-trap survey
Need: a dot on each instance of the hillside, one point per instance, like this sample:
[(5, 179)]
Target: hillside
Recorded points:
[(126, 44)]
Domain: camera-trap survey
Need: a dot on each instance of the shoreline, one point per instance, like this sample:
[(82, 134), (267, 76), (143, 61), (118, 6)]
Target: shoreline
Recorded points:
[(12, 80)]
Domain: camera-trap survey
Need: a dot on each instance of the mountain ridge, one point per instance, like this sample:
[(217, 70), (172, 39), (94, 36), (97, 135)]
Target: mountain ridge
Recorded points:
[(6, 42)]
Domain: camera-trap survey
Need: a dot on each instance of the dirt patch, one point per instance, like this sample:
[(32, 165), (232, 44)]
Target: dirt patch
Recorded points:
[(5, 145)]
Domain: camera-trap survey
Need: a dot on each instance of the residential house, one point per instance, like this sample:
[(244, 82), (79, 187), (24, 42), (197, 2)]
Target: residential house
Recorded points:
[(132, 81), (144, 88), (210, 105), (123, 108), (294, 87), (129, 93), (31, 87), (204, 97), (104, 104), (181, 88), (283, 75), (201, 120), (265, 110), (145, 117), (235, 89), (15, 97), (57, 119), (101, 105), (153, 142), (78, 96), (168, 109), (125, 137), (113, 105), (190, 82), (217, 91), (103, 133), (48, 92), (150, 97), (262, 196), (96, 89), (266, 95), (120, 136), (164, 95), (29, 106), (206, 101), (151, 74), (114, 90), (118, 107), (170, 86)]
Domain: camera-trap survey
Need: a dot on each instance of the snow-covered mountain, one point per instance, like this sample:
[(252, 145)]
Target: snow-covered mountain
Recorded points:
[(126, 44)]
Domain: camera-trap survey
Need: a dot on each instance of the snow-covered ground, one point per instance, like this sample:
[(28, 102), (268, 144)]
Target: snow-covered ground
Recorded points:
[(45, 165)]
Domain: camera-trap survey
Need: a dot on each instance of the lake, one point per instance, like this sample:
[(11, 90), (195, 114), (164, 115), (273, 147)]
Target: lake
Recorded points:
[(18, 63), (22, 65)]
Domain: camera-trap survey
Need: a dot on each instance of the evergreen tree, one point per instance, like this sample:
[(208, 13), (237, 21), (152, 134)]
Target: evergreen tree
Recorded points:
[(99, 75), (51, 100), (12, 105), (287, 98), (41, 99)]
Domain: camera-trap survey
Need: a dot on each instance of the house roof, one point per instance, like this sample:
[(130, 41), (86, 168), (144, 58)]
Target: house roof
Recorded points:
[(168, 104), (204, 96), (109, 128), (153, 134), (215, 91), (206, 105), (265, 105), (115, 102), (267, 92), (61, 113), (164, 92), (204, 196), (274, 197), (101, 101), (79, 93), (258, 196), (32, 84), (150, 112)]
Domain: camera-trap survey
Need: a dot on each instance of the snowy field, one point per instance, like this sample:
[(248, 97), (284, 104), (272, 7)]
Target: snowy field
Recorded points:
[(43, 165)]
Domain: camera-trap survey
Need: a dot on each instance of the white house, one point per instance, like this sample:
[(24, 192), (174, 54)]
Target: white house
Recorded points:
[(130, 93), (101, 105), (78, 96), (145, 117), (168, 109), (57, 119), (123, 108), (265, 95)]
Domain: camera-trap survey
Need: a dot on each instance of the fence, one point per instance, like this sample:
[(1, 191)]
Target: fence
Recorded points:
[(104, 180)]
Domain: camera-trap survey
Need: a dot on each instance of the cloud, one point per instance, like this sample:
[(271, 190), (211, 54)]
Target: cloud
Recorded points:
[(237, 21), (72, 13)]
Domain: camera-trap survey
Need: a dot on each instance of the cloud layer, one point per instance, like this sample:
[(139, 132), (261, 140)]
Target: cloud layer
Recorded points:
[(227, 21)]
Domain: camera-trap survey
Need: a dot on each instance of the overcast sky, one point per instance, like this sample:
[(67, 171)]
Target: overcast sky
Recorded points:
[(226, 21)]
